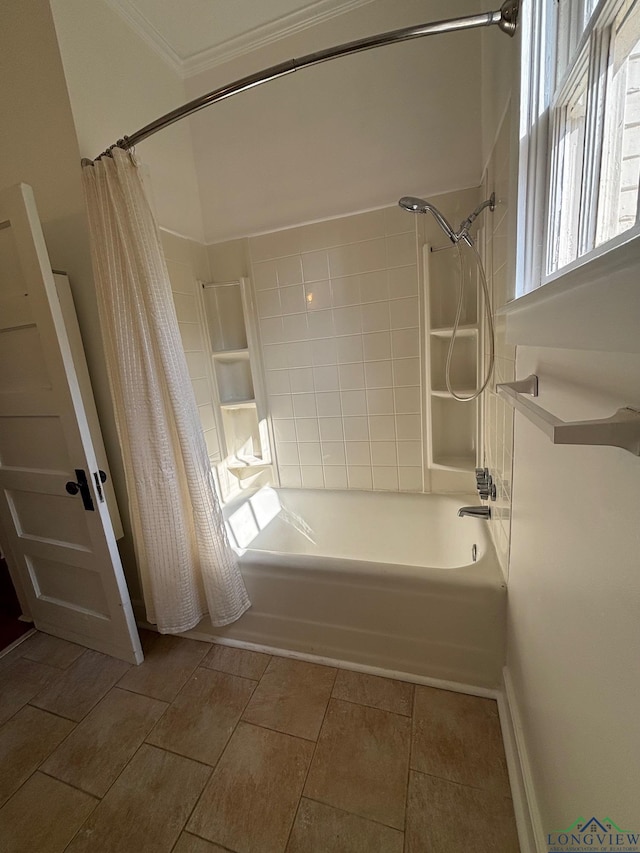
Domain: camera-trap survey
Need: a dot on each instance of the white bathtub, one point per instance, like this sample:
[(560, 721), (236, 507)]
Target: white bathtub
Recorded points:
[(372, 578)]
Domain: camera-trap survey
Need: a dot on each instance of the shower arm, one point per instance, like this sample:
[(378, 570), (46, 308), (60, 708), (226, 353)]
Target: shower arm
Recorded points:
[(505, 19)]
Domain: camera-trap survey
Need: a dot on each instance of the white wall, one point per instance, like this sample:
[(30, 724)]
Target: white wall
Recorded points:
[(39, 146), (574, 595), (116, 85), (574, 583), (345, 136)]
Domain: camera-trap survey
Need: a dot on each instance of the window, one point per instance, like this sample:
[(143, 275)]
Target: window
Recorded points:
[(579, 134)]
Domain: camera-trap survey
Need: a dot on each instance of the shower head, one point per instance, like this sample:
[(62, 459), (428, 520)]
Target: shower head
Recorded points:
[(419, 205)]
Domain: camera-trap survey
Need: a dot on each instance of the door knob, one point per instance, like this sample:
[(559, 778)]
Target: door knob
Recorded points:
[(81, 485)]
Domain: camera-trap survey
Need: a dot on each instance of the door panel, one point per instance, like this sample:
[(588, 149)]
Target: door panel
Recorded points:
[(64, 554)]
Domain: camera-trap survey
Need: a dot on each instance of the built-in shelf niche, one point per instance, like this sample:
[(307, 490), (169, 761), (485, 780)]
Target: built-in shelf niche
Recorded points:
[(463, 362), (225, 316), (452, 426), (233, 376), (237, 379), (444, 272)]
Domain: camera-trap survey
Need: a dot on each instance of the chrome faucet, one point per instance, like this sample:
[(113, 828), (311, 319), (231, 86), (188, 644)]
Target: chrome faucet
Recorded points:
[(476, 511)]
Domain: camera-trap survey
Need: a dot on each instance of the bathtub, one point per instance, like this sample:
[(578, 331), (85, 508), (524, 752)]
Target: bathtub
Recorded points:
[(386, 580)]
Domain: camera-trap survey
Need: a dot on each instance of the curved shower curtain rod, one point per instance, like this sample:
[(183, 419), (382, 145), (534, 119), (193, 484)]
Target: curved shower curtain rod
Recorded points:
[(506, 18)]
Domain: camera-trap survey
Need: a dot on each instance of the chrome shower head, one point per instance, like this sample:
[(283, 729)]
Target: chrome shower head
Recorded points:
[(419, 205), (413, 204)]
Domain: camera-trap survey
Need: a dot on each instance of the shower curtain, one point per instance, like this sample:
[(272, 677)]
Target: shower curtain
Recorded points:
[(186, 565)]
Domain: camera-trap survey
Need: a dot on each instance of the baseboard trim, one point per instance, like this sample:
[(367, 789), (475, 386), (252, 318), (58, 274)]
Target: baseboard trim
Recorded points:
[(16, 643), (525, 806)]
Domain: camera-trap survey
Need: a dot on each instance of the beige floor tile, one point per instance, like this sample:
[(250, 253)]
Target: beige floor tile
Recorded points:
[(75, 691), (237, 661), (202, 717), (457, 737), (384, 693), (8, 658), (291, 697), (188, 843), (43, 816), (53, 651), (21, 680), (168, 662), (361, 762), (147, 806), (322, 829), (25, 741), (447, 817), (96, 752), (250, 802)]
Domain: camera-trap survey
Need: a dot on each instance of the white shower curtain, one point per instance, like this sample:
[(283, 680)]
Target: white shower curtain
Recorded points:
[(186, 564)]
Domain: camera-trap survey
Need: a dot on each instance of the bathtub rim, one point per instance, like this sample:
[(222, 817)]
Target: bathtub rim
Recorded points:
[(406, 571), (484, 574)]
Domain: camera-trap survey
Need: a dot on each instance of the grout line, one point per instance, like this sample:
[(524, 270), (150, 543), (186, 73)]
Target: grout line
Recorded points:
[(373, 707), (222, 752), (355, 814), (315, 749), (490, 791), (96, 797), (182, 755)]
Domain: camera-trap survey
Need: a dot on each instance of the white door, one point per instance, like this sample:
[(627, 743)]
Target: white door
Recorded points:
[(54, 522)]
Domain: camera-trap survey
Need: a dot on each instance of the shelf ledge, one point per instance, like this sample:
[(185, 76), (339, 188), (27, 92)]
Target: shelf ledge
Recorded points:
[(466, 331), (462, 392), (455, 463), (230, 354), (239, 404)]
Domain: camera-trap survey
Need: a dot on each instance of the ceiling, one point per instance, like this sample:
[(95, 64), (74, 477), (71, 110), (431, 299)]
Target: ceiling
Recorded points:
[(335, 139), (215, 31)]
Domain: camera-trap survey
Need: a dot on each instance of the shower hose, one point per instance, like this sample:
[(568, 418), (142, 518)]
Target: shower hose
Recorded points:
[(487, 309)]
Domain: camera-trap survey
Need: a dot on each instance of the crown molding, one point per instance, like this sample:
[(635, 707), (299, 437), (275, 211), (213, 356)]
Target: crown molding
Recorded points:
[(265, 34), (287, 25), (148, 33)]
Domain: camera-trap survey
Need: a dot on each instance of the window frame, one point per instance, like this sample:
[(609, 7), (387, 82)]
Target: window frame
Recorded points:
[(540, 115)]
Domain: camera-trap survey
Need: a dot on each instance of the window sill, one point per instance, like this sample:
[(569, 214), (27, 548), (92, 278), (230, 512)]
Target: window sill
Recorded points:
[(594, 305)]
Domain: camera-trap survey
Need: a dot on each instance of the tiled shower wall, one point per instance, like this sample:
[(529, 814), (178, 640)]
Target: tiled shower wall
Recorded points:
[(499, 258), (339, 322)]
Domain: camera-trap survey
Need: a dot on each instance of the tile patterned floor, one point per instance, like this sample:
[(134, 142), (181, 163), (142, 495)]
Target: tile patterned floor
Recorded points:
[(206, 749)]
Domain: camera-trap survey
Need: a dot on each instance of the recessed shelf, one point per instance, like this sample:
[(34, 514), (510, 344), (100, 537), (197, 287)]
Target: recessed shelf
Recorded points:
[(231, 354), (225, 316), (238, 404), (447, 331), (461, 392), (455, 463), (463, 362), (452, 434), (242, 471)]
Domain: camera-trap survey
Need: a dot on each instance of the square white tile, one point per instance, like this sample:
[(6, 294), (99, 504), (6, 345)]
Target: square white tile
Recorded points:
[(307, 429), (328, 404), (356, 428), (331, 429), (354, 403)]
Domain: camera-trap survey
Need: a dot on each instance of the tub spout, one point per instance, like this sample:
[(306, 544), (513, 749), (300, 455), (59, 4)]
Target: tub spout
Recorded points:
[(475, 511)]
